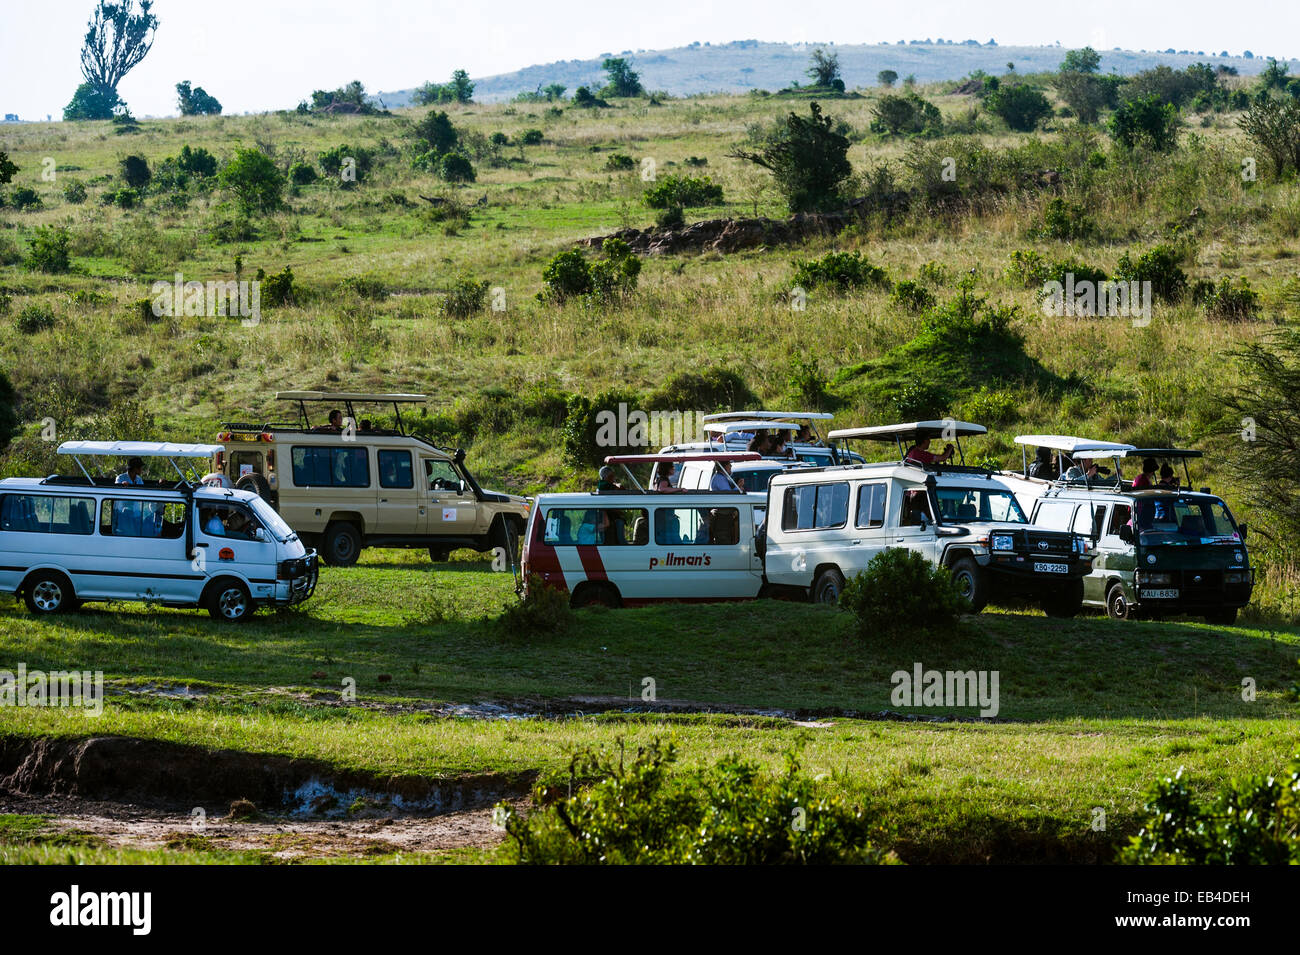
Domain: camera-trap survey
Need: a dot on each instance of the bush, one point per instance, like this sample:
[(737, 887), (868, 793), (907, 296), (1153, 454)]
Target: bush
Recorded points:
[(671, 218), (1254, 821), (1273, 125), (124, 198), (714, 389), (900, 591), (252, 178), (840, 270), (1026, 268), (277, 289), (35, 317), (48, 250), (531, 137), (454, 167), (542, 611), (364, 287), (906, 115), (24, 198), (919, 401), (74, 192), (1018, 105), (619, 162), (1145, 121), (615, 276), (683, 191), (199, 163), (302, 174), (358, 159), (990, 407), (1228, 301), (1065, 221), (8, 411), (134, 171), (566, 275), (1158, 265), (911, 296), (436, 133), (581, 449), (643, 813), (808, 159), (466, 297)]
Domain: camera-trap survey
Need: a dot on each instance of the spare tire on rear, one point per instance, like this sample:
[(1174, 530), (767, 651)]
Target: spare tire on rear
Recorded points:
[(258, 485)]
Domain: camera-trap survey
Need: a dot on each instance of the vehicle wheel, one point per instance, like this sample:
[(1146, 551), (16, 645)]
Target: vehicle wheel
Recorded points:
[(971, 583), (230, 602), (440, 555), (257, 484), (1117, 605), (1067, 602), (1225, 617), (596, 595), (48, 593), (827, 587), (342, 545)]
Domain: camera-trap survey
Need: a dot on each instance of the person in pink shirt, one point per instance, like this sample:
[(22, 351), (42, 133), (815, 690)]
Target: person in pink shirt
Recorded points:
[(1148, 476), (920, 453)]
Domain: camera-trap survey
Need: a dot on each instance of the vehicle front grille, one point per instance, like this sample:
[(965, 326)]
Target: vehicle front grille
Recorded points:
[(1047, 545)]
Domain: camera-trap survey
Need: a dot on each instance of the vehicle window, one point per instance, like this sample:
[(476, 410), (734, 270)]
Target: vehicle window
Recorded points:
[(165, 519), (915, 504), (1183, 521), (1086, 518), (809, 506), (330, 467), (47, 514), (604, 526), (1055, 514), (979, 504), (441, 476), (395, 469), (245, 462), (752, 480), (1119, 516), (696, 525), (228, 520), (871, 505)]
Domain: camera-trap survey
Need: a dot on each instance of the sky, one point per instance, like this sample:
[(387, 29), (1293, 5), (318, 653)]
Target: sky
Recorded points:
[(257, 55)]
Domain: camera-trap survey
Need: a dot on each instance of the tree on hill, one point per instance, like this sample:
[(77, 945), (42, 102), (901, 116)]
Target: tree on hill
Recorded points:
[(459, 90), (118, 37), (887, 78), (345, 99), (196, 101), (1081, 61), (622, 80), (808, 159), (824, 69)]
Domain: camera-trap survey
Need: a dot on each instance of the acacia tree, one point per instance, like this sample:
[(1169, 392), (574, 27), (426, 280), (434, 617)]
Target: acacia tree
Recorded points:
[(118, 37), (808, 159), (623, 81), (823, 68)]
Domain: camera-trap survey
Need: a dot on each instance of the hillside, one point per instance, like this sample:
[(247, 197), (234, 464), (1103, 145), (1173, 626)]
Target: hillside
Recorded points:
[(750, 64)]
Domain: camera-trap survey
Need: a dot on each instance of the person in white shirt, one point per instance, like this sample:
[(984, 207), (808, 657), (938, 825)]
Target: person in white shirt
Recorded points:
[(132, 474)]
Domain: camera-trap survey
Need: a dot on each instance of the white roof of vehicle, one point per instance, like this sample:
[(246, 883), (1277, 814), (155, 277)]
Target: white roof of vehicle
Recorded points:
[(769, 416), (890, 432), (140, 449), (1159, 453), (730, 427), (1073, 445), (344, 396), (684, 456)]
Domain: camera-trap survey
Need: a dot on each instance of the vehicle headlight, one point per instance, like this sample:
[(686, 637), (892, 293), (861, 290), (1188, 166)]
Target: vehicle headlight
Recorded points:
[(1003, 542), (1234, 578), (1157, 580)]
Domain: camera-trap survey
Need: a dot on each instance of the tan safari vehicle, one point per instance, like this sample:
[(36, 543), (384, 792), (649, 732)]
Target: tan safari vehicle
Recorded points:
[(347, 485)]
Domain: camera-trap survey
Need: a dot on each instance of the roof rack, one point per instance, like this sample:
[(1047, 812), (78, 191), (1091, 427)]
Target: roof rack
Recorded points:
[(1073, 448), (347, 399), (675, 457), (137, 449), (912, 432)]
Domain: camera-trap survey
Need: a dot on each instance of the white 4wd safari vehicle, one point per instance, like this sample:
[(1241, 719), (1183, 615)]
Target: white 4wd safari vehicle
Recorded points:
[(825, 524), (345, 484)]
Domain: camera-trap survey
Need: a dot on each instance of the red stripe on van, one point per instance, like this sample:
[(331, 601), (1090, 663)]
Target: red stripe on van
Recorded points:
[(592, 565), (542, 559)]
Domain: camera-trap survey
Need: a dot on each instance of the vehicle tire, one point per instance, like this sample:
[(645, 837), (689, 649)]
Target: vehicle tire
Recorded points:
[(440, 555), (1117, 605), (828, 586), (1066, 603), (258, 485), (1224, 617), (230, 602), (972, 583), (48, 592), (342, 545), (596, 595)]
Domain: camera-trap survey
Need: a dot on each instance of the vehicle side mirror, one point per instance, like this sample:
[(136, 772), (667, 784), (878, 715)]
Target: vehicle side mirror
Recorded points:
[(1126, 534), (461, 484), (923, 521), (1242, 529), (260, 534)]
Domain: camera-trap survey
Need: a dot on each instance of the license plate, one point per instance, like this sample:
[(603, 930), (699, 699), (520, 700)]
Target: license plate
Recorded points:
[(1158, 594), (1042, 568)]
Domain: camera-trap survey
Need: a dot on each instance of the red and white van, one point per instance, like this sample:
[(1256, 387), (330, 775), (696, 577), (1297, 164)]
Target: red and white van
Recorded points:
[(630, 546)]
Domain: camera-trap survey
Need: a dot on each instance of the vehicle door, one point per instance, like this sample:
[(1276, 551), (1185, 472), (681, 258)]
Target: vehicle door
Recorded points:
[(1116, 557), (702, 549), (912, 521), (329, 479), (871, 503), (1089, 523), (144, 550), (231, 538), (451, 509), (815, 523), (398, 510)]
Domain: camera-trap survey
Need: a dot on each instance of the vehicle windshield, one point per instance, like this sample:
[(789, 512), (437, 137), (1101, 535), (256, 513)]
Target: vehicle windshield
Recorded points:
[(982, 504), (273, 521), (1184, 521)]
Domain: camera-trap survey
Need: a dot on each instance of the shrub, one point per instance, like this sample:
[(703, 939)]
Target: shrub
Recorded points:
[(466, 297), (989, 406), (356, 159), (808, 386), (911, 296), (1228, 301), (47, 250), (134, 171), (906, 115), (1145, 121), (1065, 221), (566, 275), (364, 287), (531, 137), (277, 289), (35, 317), (24, 198), (900, 591), (1249, 822), (254, 181), (615, 276), (542, 611), (671, 218), (436, 132), (1062, 270), (74, 192), (583, 98), (302, 173), (808, 159), (499, 139), (619, 162), (919, 401), (1026, 268), (197, 162), (1158, 265), (8, 410), (196, 101), (1273, 125), (1018, 105), (642, 812), (711, 390), (580, 428), (840, 270), (454, 167), (683, 191), (124, 198)]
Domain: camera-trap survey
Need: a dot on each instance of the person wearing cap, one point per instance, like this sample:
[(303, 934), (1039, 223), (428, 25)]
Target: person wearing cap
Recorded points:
[(132, 474), (607, 482)]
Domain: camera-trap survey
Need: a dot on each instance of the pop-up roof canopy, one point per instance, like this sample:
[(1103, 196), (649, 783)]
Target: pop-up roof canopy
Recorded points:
[(139, 449), (909, 431), (346, 396), (1159, 453), (733, 427), (1076, 446), (678, 457), (768, 416)]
